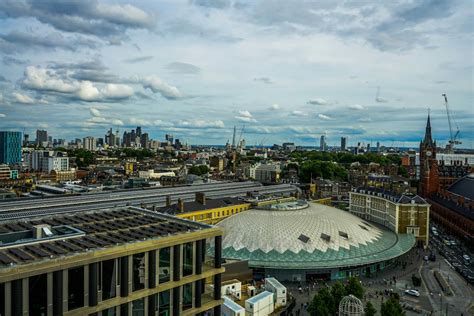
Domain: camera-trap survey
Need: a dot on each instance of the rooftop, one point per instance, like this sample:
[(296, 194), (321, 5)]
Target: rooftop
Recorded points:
[(259, 297), (464, 187), (232, 305), (317, 236), (403, 198), (194, 206), (67, 235)]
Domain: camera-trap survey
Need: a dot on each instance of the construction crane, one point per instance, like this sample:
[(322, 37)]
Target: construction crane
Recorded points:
[(453, 140)]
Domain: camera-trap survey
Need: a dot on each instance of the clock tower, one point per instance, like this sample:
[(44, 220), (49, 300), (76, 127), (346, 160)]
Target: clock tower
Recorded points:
[(429, 180)]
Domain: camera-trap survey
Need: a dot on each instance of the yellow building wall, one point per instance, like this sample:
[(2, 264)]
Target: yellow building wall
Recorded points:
[(273, 201), (212, 216), (324, 201)]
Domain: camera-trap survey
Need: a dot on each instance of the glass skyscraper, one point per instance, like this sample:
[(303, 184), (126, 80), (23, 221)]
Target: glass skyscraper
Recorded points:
[(10, 147)]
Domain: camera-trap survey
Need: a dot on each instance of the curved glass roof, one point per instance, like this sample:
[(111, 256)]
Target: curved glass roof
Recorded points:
[(317, 236)]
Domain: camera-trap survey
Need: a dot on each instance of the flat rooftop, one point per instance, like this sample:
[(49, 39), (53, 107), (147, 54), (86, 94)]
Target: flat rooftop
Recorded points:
[(194, 206), (84, 231)]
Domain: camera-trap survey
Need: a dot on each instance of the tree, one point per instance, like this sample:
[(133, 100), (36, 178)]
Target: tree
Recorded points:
[(199, 170), (416, 280), (338, 291), (322, 304), (354, 287), (370, 309), (392, 307)]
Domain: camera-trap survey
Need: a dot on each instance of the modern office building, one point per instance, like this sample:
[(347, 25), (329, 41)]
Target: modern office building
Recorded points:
[(402, 213), (10, 147), (343, 143), (41, 137), (322, 143), (122, 261), (300, 240)]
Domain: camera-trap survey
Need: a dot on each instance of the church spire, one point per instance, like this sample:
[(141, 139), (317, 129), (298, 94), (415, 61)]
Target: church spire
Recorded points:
[(428, 139)]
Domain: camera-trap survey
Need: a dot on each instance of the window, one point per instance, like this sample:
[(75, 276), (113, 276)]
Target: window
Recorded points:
[(109, 312), (138, 270), (187, 296), (138, 307), (109, 279), (75, 288), (164, 308), (188, 259), (38, 288), (165, 264)]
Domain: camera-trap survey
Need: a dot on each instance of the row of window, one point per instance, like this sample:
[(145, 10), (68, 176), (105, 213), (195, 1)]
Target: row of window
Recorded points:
[(109, 278), (219, 214)]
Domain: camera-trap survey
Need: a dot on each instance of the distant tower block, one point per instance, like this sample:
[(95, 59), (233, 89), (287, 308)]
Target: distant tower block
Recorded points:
[(351, 306)]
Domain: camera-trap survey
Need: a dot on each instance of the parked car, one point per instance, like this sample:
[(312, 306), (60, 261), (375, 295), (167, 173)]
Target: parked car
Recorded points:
[(412, 292)]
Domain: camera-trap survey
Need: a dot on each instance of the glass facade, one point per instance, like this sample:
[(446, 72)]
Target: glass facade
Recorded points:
[(38, 293), (109, 312), (164, 303), (75, 288), (10, 147), (138, 270), (164, 264), (108, 279), (188, 259), (138, 307), (187, 296)]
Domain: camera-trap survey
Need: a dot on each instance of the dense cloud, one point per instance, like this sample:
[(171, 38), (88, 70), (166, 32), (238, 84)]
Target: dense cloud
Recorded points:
[(155, 84), (287, 70), (89, 17)]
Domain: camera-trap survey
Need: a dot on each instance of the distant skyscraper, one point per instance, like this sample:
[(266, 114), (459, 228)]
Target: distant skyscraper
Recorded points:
[(41, 137), (139, 131), (322, 143), (26, 140), (368, 147), (110, 138), (378, 146), (144, 139), (169, 138), (10, 147), (343, 143), (89, 143)]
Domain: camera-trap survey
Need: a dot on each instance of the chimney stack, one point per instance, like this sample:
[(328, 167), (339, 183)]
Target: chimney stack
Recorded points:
[(180, 205), (201, 198)]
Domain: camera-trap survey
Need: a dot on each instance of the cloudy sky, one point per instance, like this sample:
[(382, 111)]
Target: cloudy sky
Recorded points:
[(283, 70)]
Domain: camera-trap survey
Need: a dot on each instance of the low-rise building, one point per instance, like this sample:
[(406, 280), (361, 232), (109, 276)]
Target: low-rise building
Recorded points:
[(204, 209), (260, 305), (268, 173), (231, 308), (232, 288), (278, 290), (402, 213)]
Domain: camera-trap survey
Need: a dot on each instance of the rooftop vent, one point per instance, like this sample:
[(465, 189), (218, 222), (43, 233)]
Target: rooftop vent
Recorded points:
[(325, 237), (343, 234), (41, 231), (303, 238)]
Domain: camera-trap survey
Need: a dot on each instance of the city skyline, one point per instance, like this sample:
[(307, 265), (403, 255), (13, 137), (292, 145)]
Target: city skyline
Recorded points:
[(196, 69)]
